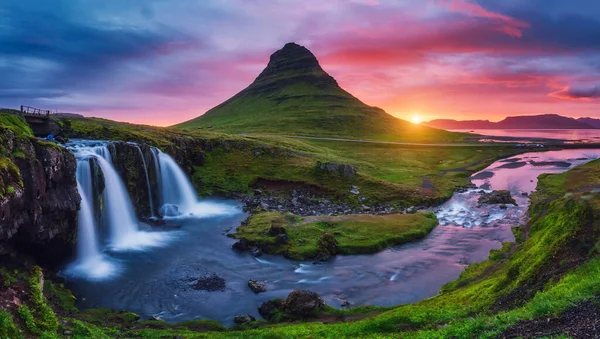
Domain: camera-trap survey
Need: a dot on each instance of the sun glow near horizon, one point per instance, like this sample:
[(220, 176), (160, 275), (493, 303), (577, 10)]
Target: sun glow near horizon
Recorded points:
[(416, 118)]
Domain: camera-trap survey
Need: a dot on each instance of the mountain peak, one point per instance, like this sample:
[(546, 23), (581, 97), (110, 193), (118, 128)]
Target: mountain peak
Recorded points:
[(291, 61)]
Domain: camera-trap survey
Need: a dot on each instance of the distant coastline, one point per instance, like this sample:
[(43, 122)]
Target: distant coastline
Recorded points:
[(532, 122)]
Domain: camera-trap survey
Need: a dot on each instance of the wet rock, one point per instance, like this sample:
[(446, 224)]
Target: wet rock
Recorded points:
[(257, 286), (303, 303), (257, 252), (242, 245), (326, 246), (156, 318), (346, 170), (209, 283), (497, 197), (270, 308), (242, 319), (525, 194), (503, 206)]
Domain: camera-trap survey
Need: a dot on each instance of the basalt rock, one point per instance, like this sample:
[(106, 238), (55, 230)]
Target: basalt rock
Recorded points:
[(38, 211), (497, 197), (257, 286), (270, 308), (327, 246), (242, 319), (302, 303), (129, 164), (344, 169)]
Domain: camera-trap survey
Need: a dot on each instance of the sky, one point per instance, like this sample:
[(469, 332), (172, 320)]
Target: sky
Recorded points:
[(161, 62)]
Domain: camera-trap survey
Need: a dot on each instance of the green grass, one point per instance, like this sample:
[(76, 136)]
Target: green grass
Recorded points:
[(354, 234), (16, 124), (232, 164)]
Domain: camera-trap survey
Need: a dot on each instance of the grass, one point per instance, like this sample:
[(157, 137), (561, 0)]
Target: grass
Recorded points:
[(16, 124), (233, 164), (354, 234)]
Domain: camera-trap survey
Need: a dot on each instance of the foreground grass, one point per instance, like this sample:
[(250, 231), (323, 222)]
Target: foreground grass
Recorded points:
[(353, 234)]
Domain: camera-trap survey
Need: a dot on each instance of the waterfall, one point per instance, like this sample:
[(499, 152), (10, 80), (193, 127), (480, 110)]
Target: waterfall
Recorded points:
[(87, 245), (103, 152), (147, 180), (178, 194)]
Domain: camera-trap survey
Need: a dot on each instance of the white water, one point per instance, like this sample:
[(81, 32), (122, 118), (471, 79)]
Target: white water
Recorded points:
[(90, 261), (177, 191), (147, 181), (120, 216)]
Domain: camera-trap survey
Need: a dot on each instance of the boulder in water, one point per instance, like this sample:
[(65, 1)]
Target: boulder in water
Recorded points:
[(497, 197), (303, 303), (210, 283), (257, 286), (242, 245), (242, 319)]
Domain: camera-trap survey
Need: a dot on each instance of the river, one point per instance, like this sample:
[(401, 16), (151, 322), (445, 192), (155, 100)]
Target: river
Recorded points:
[(158, 281)]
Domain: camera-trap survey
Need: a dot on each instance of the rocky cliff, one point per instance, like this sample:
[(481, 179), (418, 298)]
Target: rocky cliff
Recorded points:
[(38, 199)]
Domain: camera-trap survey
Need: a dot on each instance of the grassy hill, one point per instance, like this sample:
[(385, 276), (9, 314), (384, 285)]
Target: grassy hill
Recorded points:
[(295, 96)]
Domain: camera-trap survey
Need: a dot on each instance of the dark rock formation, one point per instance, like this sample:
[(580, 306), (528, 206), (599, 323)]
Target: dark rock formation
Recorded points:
[(270, 308), (38, 214), (344, 169), (276, 230), (257, 286), (209, 283), (130, 166), (242, 319), (497, 197), (302, 303), (327, 246)]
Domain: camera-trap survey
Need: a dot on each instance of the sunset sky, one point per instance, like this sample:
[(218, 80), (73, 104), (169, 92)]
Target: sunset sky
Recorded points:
[(165, 61)]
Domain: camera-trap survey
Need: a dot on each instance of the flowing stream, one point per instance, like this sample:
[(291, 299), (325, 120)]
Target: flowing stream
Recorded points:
[(160, 281)]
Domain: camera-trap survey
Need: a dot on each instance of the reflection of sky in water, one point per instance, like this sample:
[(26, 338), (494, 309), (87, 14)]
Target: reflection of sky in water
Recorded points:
[(586, 135)]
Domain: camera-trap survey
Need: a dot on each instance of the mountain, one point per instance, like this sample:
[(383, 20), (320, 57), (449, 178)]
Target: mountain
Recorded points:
[(544, 121), (465, 124), (294, 96), (594, 123)]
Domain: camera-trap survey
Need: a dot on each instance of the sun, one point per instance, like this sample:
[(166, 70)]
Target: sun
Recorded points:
[(416, 119)]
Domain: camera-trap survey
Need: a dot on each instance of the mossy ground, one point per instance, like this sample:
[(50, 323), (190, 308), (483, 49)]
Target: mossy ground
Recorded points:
[(355, 234)]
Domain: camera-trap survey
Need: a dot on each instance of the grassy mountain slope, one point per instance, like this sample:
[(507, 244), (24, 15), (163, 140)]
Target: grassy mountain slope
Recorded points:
[(295, 96)]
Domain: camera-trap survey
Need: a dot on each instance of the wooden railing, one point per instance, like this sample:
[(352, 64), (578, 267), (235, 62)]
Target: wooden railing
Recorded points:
[(34, 111)]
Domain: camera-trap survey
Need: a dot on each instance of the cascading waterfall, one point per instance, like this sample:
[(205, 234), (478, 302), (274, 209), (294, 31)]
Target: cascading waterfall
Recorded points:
[(147, 181), (90, 261), (178, 194), (87, 246), (104, 153)]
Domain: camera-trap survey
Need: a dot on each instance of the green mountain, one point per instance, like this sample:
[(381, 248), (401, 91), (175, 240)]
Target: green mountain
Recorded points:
[(294, 96)]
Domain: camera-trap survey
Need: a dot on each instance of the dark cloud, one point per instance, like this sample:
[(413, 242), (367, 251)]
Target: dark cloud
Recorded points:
[(578, 93)]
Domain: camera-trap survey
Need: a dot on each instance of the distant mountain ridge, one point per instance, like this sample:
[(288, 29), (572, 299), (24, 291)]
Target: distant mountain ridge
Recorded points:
[(293, 95), (543, 121)]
